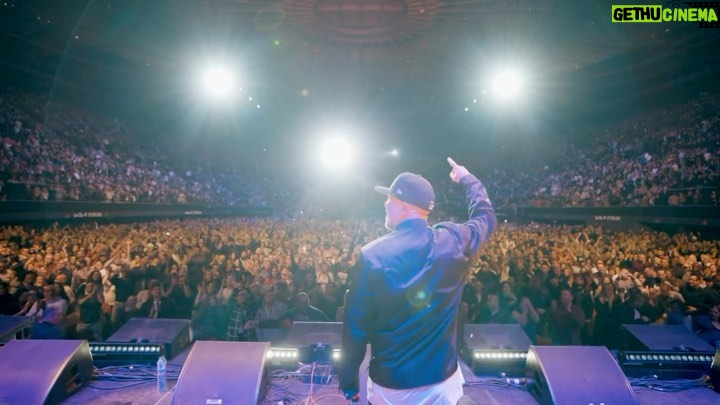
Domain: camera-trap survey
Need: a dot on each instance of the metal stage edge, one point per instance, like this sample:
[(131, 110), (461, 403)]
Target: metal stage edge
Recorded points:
[(147, 394)]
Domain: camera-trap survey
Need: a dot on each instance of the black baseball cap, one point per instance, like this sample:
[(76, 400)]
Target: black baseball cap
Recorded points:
[(412, 189)]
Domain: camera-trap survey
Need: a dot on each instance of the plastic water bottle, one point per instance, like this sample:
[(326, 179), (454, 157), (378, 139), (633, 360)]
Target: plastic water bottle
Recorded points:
[(162, 374)]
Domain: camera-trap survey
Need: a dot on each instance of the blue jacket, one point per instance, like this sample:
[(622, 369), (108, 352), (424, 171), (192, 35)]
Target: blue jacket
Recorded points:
[(405, 292)]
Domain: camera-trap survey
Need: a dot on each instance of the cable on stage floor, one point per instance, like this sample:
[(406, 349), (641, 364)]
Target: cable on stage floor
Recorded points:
[(318, 376), (653, 383), (129, 375), (118, 387), (504, 383)]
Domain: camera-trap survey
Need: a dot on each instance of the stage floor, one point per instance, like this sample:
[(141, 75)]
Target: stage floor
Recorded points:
[(148, 395), (296, 392)]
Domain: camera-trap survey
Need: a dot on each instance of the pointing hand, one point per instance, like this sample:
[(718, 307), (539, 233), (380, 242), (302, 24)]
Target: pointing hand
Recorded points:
[(458, 172)]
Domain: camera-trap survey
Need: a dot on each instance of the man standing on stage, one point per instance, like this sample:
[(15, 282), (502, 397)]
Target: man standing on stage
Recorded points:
[(405, 292)]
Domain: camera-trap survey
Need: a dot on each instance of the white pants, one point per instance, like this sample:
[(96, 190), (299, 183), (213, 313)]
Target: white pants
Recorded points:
[(447, 392)]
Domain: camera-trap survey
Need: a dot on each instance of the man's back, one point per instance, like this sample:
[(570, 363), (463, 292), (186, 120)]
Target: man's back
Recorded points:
[(405, 294), (417, 275)]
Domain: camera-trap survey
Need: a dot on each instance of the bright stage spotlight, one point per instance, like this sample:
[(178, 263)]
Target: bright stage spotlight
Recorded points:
[(336, 153), (219, 81), (507, 85), (394, 152)]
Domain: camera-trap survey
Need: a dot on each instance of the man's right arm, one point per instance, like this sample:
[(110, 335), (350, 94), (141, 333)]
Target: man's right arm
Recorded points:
[(476, 231), (481, 223)]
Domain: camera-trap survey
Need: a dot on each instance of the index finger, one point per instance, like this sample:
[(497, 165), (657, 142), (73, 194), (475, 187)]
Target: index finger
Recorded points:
[(452, 162)]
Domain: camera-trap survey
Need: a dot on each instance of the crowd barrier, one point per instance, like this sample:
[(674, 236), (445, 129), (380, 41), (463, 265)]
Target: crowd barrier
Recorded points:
[(620, 217), (19, 212)]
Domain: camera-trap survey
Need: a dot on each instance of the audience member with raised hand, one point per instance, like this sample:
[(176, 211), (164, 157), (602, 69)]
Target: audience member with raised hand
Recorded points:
[(90, 325), (49, 324)]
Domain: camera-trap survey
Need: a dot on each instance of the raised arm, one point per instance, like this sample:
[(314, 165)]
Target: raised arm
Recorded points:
[(477, 229)]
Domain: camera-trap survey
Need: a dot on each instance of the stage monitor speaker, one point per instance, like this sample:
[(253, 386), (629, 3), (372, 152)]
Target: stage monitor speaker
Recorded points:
[(664, 352), (662, 338), (495, 349), (576, 375), (495, 337), (43, 371), (173, 333), (308, 333), (307, 342), (14, 327), (223, 373)]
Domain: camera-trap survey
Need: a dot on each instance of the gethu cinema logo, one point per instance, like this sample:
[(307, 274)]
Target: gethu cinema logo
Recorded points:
[(704, 12)]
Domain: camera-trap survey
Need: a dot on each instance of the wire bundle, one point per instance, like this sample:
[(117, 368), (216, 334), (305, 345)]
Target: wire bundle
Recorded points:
[(130, 375), (504, 383), (283, 382), (655, 384)]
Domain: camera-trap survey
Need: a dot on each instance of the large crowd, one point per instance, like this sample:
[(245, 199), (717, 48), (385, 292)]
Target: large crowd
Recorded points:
[(665, 157), (58, 153), (249, 279)]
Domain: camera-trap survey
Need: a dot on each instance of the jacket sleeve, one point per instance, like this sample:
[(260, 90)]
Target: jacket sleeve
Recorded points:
[(360, 314), (477, 229)]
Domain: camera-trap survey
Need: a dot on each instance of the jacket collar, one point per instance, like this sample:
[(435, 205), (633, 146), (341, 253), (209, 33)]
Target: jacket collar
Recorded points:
[(413, 223)]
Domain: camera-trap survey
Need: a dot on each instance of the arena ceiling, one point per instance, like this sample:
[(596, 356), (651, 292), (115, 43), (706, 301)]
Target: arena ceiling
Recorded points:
[(429, 49)]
